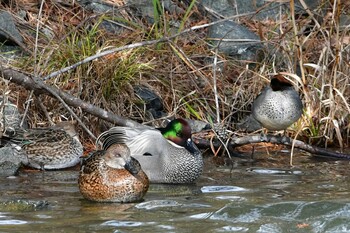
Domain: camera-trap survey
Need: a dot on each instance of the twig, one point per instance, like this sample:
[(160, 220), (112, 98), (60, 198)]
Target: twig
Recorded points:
[(283, 140), (19, 43), (43, 108), (40, 87)]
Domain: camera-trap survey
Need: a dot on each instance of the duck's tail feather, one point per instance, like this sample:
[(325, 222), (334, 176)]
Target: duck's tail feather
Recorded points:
[(112, 136)]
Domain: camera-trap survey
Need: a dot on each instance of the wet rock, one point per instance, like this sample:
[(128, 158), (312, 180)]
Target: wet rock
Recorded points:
[(226, 37), (22, 205), (151, 101), (10, 161), (156, 204), (9, 33)]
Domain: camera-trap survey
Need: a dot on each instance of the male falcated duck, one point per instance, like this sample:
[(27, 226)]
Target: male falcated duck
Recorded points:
[(278, 105), (56, 147), (112, 175), (167, 155)]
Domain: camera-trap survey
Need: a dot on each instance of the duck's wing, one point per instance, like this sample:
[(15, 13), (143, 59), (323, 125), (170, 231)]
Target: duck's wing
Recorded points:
[(91, 162), (141, 141), (115, 135)]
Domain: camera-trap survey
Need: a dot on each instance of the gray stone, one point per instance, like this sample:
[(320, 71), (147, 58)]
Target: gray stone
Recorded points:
[(8, 29), (96, 6), (260, 9), (235, 40), (101, 7), (145, 9), (22, 205), (311, 5), (10, 161), (198, 126), (150, 101), (10, 117), (225, 8), (344, 21)]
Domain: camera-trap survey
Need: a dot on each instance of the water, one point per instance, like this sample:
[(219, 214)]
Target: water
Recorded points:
[(264, 196)]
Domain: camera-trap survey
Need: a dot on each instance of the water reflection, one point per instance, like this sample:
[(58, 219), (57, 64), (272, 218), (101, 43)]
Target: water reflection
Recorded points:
[(265, 196)]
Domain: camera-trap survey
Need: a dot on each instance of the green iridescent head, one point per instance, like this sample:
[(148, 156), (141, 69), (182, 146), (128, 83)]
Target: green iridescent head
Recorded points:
[(178, 131)]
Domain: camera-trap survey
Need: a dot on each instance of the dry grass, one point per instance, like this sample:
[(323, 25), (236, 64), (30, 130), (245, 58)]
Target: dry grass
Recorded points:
[(181, 71)]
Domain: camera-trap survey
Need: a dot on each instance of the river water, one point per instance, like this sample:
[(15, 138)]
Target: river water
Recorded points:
[(262, 196)]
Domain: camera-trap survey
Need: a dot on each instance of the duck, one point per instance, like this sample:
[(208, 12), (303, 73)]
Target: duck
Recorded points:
[(112, 175), (278, 105), (49, 148), (167, 155)]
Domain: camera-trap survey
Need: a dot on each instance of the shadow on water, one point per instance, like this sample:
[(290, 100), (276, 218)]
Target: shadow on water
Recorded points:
[(264, 196)]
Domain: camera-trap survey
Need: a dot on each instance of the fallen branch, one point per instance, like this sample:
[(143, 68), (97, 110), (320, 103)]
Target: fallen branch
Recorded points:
[(283, 140), (39, 87)]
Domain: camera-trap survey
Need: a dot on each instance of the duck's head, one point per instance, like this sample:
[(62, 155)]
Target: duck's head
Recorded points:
[(117, 156), (280, 83), (177, 131)]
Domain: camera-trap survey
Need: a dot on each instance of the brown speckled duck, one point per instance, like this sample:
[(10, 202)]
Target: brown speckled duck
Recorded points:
[(167, 155), (56, 147), (278, 105), (112, 175)]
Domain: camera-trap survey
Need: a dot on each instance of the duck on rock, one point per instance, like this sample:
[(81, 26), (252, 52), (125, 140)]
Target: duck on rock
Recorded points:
[(167, 155), (56, 147), (278, 105), (112, 175)]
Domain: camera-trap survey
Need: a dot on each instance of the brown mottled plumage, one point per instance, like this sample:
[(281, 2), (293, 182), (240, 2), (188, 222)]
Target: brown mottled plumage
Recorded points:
[(56, 147), (112, 175)]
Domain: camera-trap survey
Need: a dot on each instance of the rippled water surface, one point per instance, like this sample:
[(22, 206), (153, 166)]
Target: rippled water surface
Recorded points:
[(264, 196)]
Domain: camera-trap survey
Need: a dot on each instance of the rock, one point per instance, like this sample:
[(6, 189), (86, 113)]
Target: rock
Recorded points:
[(10, 117), (224, 8), (152, 102), (9, 33), (198, 126), (10, 161), (101, 7), (344, 21), (230, 30), (263, 9), (144, 8), (22, 205)]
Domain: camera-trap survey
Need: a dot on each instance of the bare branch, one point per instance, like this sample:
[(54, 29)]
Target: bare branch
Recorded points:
[(40, 87), (202, 143)]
